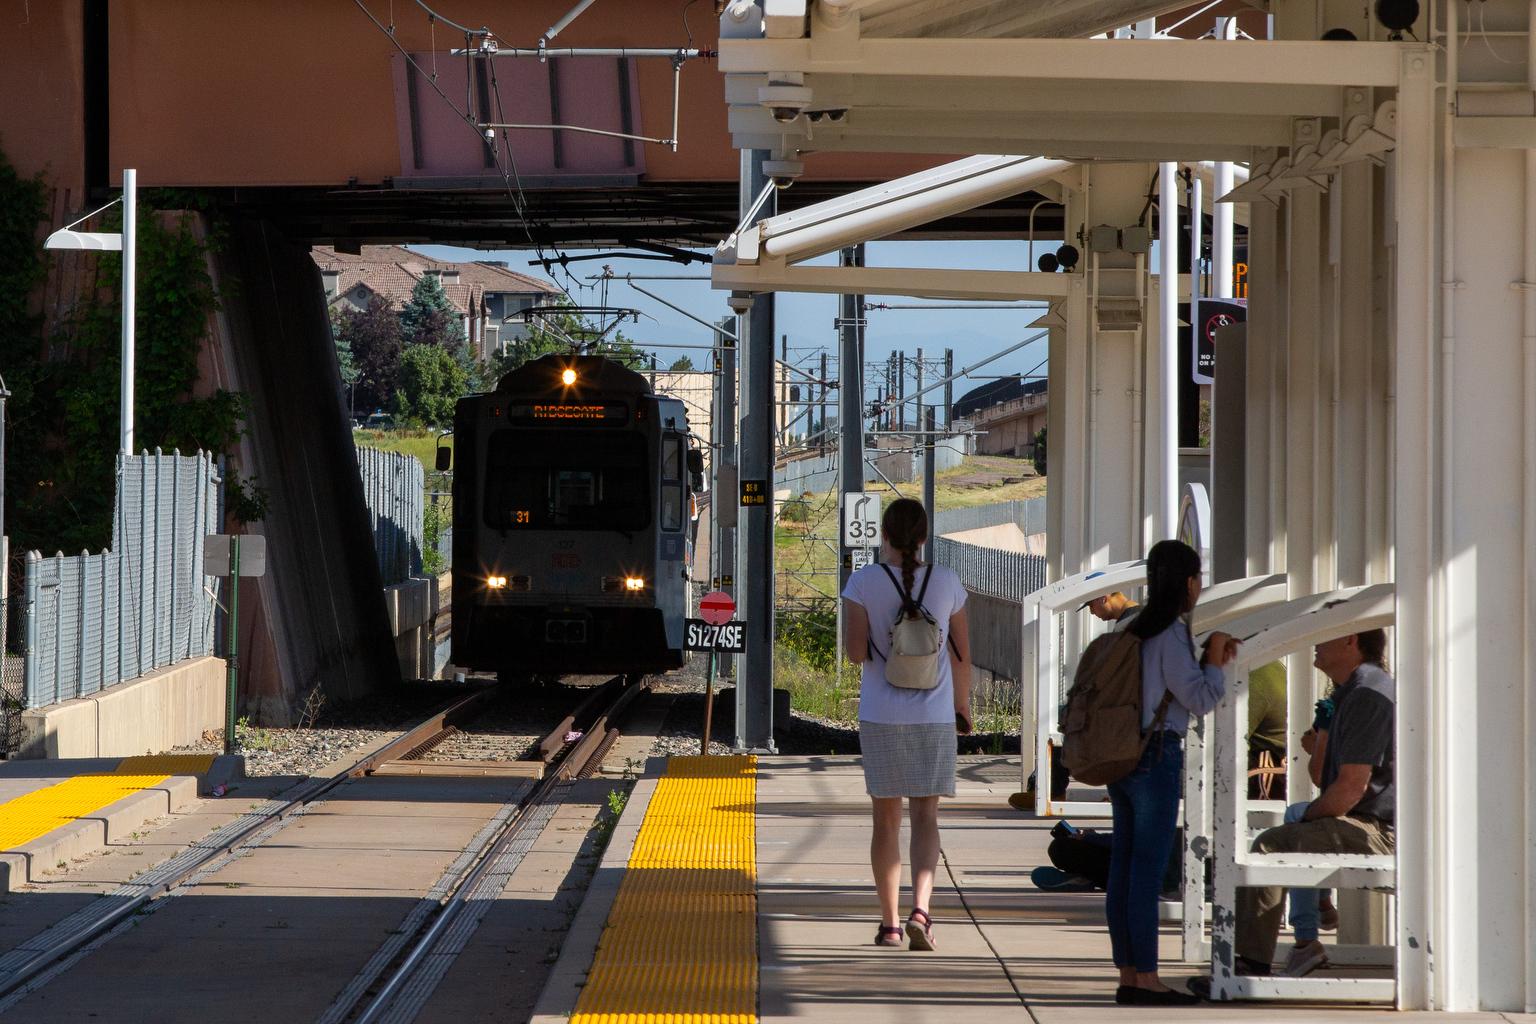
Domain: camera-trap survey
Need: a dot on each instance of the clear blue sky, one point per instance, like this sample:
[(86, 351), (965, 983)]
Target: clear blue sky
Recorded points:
[(808, 319)]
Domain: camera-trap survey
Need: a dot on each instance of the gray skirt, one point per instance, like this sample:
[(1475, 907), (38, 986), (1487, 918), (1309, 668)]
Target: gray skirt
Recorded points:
[(908, 760)]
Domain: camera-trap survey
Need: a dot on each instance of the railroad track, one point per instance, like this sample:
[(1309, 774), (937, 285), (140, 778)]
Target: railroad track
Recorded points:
[(38, 960)]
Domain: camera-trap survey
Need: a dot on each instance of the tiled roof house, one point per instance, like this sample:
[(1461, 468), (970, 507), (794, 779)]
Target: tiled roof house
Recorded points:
[(487, 294)]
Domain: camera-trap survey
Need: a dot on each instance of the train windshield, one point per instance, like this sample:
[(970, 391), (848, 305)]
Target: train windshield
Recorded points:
[(554, 480)]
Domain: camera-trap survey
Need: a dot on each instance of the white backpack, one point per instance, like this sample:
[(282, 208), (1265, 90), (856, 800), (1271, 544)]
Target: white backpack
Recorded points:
[(916, 644)]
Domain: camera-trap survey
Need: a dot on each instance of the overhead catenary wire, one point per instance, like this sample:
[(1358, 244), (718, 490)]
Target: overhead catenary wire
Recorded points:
[(509, 173)]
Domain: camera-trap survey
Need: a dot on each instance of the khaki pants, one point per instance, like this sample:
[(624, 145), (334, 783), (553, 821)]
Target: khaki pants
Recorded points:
[(1260, 910)]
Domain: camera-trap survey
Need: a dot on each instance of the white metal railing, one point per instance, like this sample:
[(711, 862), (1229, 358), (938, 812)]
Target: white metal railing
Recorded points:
[(1287, 628), (1219, 605)]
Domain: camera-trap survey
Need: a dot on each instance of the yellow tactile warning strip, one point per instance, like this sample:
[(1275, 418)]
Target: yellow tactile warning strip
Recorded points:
[(37, 813), (680, 946)]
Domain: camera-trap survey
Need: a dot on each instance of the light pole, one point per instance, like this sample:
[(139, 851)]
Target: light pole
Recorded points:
[(126, 242)]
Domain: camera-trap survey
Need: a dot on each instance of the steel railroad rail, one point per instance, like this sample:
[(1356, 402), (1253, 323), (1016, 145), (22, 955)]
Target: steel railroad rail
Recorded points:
[(60, 946)]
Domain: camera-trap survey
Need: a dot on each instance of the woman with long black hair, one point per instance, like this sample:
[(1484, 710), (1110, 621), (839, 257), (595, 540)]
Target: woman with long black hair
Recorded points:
[(1175, 683)]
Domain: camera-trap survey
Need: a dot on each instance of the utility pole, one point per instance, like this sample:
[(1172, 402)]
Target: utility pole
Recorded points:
[(782, 372), (850, 423), (901, 390), (929, 464), (754, 692), (822, 434), (949, 390)]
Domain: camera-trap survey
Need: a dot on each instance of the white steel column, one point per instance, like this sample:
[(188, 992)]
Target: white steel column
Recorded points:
[(1264, 460), (1304, 256), (1360, 416), (1167, 466), (1420, 900)]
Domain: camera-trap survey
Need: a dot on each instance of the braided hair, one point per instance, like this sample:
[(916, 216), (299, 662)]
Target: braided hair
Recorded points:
[(905, 526)]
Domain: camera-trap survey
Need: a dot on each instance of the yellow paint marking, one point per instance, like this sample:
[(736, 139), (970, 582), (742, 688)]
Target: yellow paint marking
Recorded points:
[(37, 813), (680, 946)]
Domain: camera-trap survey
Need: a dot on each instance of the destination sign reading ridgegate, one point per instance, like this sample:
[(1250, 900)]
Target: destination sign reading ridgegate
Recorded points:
[(585, 413)]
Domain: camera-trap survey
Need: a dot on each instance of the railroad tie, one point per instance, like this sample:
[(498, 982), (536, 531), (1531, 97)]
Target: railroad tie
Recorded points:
[(680, 945)]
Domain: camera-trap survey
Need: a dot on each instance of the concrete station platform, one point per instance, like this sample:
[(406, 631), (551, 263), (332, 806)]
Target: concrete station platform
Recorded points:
[(661, 932), (55, 811)]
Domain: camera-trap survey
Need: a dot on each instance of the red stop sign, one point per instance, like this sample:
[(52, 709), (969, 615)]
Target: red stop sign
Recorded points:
[(717, 608)]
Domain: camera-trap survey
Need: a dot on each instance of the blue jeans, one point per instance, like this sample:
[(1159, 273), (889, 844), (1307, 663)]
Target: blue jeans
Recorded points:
[(1305, 915), (1146, 813)]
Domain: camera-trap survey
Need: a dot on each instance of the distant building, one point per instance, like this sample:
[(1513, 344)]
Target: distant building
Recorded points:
[(486, 294), (1007, 414)]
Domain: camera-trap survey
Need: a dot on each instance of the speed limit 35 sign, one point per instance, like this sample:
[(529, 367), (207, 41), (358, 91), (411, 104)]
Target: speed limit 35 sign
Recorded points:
[(861, 520)]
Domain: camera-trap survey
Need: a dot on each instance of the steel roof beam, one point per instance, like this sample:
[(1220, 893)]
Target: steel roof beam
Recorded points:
[(1144, 62)]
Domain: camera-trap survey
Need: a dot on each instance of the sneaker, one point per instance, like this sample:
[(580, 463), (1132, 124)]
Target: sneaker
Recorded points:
[(1055, 880), (1305, 958)]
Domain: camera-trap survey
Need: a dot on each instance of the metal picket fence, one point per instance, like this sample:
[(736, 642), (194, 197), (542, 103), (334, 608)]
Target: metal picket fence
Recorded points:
[(393, 489), (1006, 574), (90, 621), (1029, 514)]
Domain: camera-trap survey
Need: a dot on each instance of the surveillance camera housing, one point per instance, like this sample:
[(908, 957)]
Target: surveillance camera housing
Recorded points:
[(783, 171), (784, 101)]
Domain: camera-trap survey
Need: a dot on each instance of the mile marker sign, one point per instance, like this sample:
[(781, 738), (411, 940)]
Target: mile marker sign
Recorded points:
[(717, 608)]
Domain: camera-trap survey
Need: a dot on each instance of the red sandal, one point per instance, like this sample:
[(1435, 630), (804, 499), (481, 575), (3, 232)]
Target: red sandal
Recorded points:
[(889, 935), (920, 929)]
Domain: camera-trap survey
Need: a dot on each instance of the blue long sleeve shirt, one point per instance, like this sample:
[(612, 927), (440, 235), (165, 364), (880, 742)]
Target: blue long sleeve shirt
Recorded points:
[(1168, 663)]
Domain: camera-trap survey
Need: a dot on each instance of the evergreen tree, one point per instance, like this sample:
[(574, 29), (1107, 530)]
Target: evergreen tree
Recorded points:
[(682, 365), (430, 319), (372, 336)]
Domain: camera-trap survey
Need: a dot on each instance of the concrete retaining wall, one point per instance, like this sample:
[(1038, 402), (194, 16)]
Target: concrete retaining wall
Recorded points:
[(167, 708), (412, 608)]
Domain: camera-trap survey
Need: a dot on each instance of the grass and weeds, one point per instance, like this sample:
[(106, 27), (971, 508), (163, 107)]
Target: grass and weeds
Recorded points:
[(805, 665), (805, 536)]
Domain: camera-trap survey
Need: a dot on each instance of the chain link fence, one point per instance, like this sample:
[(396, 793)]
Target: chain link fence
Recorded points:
[(394, 488), (90, 621)]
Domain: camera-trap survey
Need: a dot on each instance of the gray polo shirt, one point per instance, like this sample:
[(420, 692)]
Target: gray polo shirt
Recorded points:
[(1362, 733)]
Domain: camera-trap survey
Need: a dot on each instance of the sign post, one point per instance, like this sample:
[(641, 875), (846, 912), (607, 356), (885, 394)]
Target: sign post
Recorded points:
[(221, 557), (717, 609)]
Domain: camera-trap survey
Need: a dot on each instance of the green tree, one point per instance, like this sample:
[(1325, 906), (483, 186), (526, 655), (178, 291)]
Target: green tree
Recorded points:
[(64, 409), (551, 334), (430, 319), (681, 365), (431, 381), (1039, 451)]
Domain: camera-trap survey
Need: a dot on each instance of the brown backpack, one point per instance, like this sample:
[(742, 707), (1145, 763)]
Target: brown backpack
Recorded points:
[(1102, 741)]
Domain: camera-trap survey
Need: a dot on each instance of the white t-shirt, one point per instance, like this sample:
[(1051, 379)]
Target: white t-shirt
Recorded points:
[(879, 701)]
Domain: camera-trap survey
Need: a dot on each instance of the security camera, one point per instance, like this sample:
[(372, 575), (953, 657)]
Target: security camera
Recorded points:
[(740, 302), (784, 100), (783, 172)]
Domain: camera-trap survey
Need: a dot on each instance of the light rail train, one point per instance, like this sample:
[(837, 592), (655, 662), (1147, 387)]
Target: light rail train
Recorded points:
[(573, 496)]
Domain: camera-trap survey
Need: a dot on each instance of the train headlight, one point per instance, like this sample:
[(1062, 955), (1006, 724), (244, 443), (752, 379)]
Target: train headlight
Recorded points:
[(634, 583), (568, 377), (496, 582)]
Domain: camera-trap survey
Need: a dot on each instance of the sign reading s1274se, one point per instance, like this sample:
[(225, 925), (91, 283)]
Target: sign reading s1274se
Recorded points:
[(730, 638)]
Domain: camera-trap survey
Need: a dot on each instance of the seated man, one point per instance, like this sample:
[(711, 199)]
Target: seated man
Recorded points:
[(1355, 810), (1266, 732)]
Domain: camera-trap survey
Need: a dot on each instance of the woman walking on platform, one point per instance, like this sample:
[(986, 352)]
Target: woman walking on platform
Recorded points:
[(1175, 684), (910, 707)]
